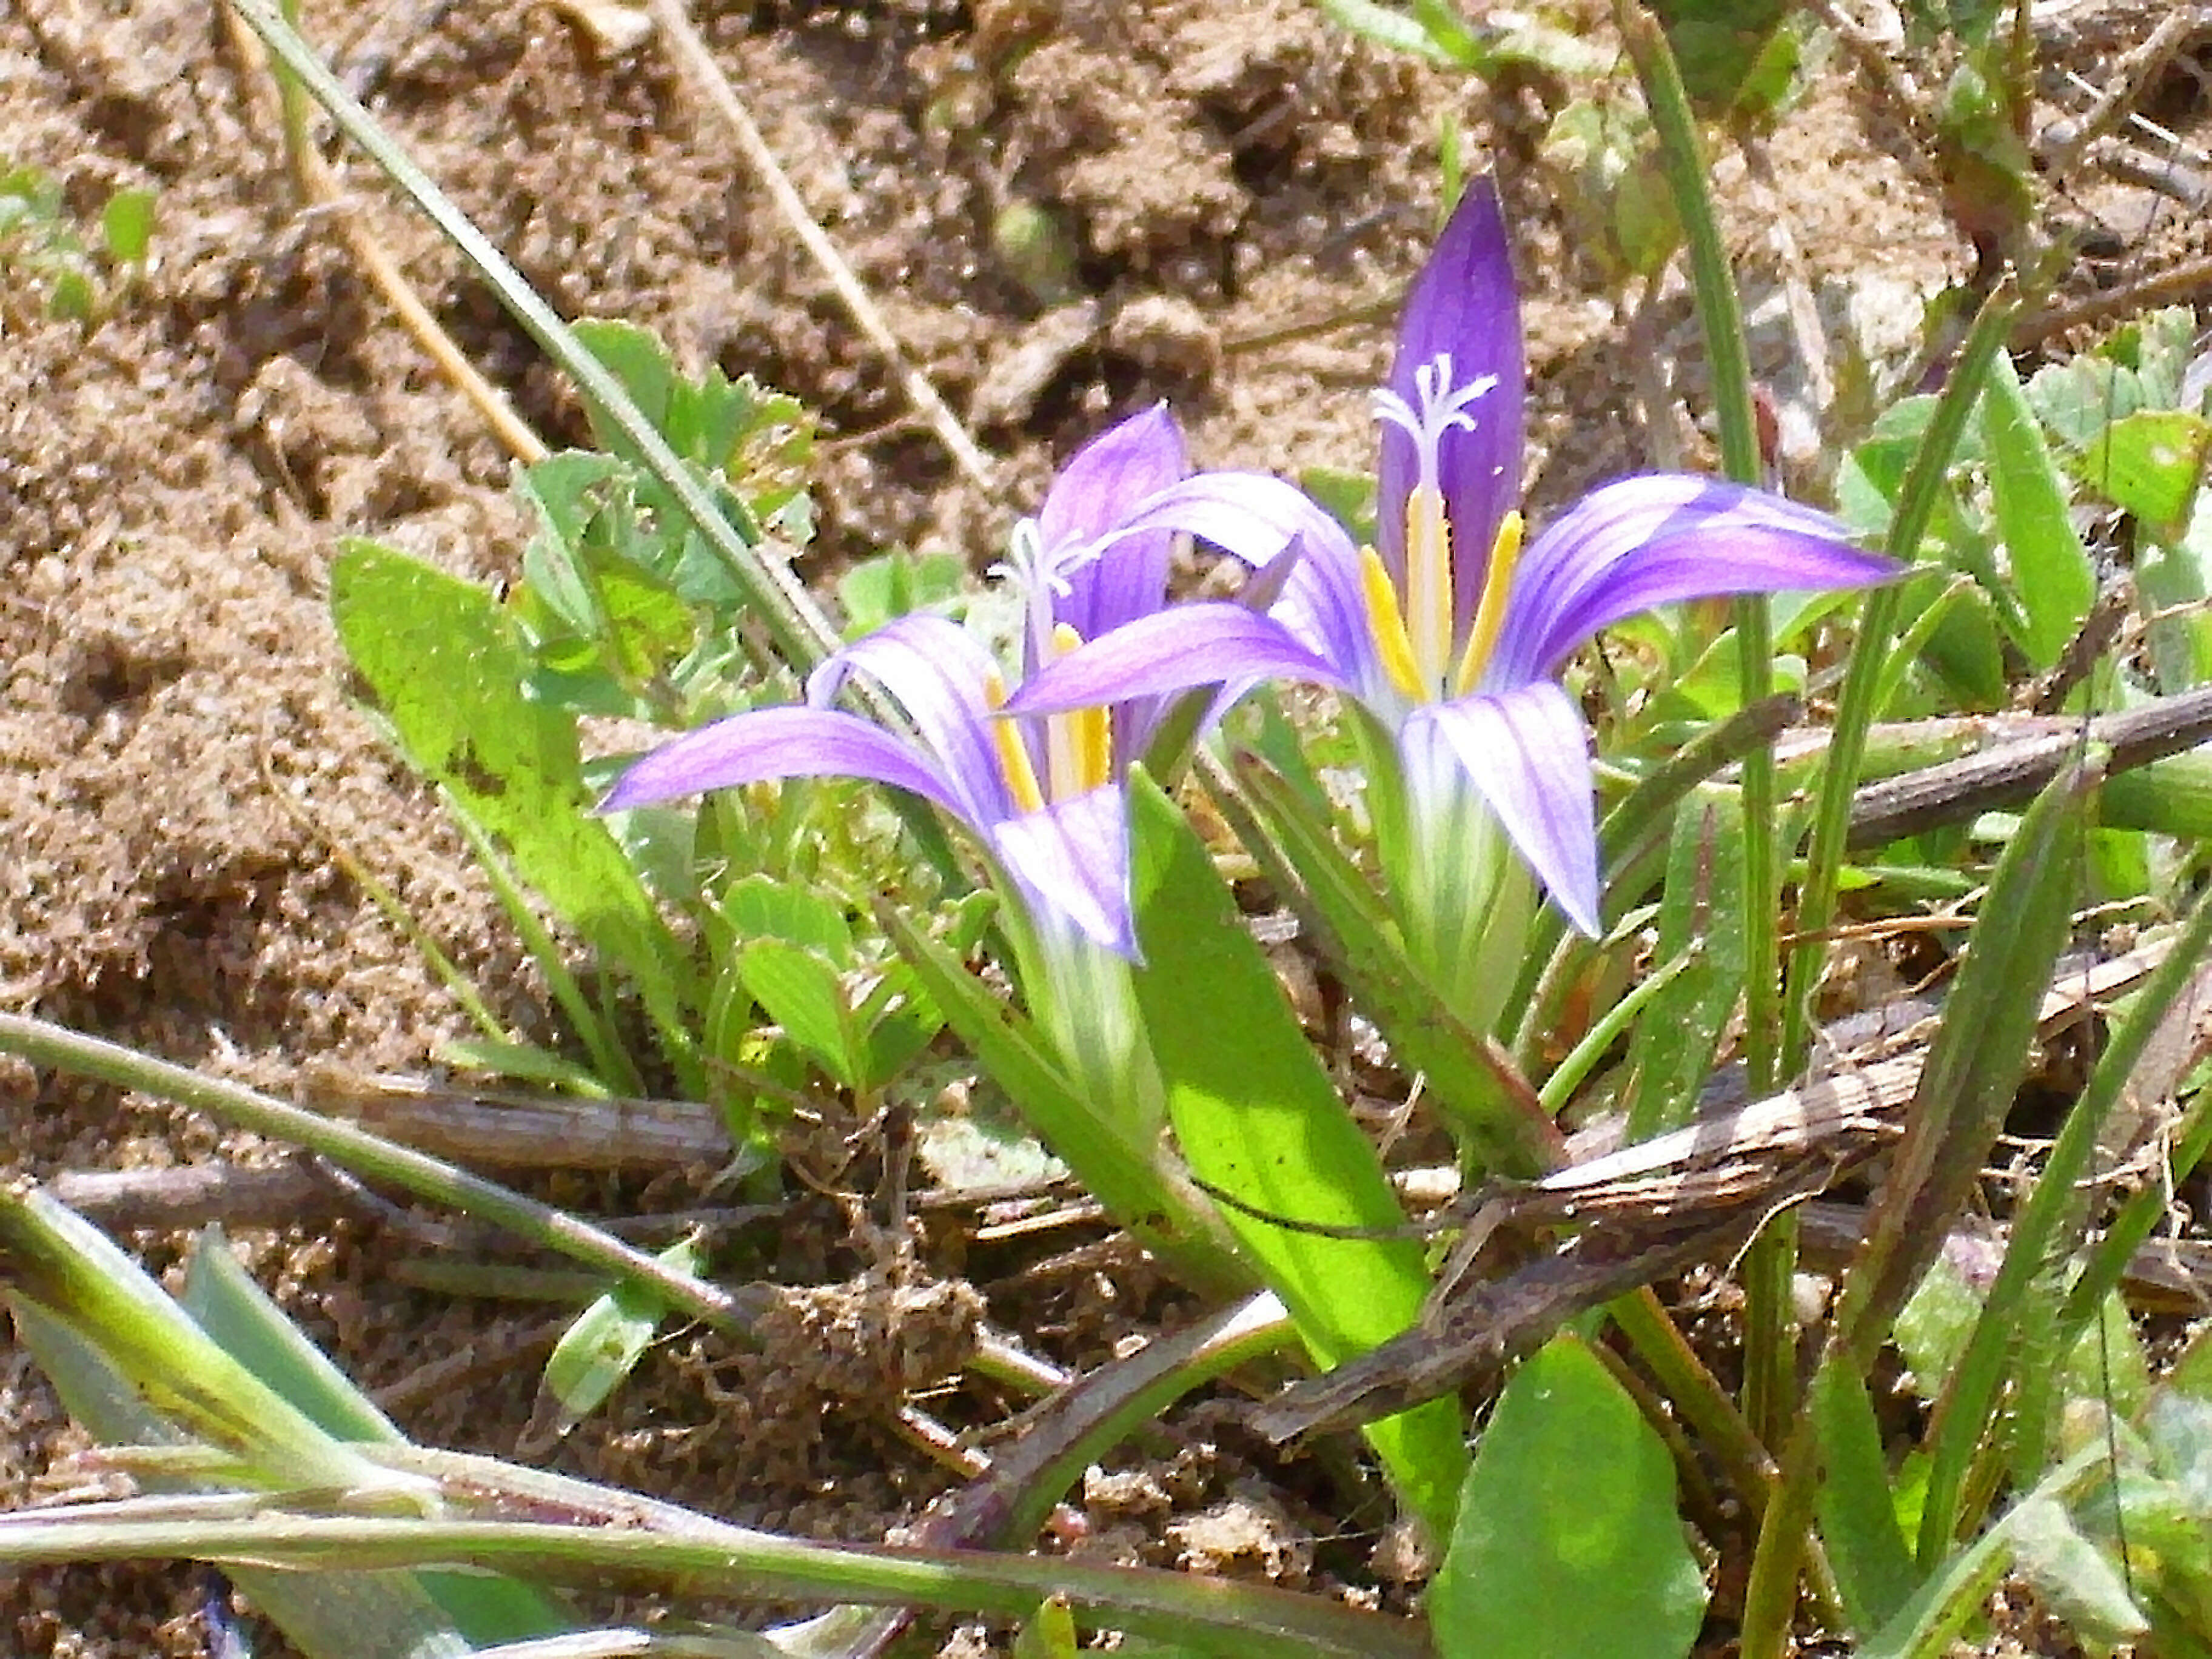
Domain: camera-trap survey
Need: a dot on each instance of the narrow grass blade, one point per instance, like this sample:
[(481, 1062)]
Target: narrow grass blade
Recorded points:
[(1867, 681), (801, 634), (1672, 1051), (43, 1043), (2047, 1230), (1128, 1179), (1858, 1515), (1976, 1061)]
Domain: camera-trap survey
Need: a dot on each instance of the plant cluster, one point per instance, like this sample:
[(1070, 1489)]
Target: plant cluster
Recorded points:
[(1016, 833)]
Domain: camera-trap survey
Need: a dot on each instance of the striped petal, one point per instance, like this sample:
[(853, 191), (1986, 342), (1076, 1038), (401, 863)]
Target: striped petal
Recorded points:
[(1527, 751), (1094, 493), (1177, 650), (767, 743), (1462, 305), (938, 671), (1073, 860), (1660, 539)]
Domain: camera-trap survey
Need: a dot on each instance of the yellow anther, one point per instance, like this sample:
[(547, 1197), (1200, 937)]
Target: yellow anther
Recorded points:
[(1490, 613), (1013, 754), (1090, 737), (1388, 624)]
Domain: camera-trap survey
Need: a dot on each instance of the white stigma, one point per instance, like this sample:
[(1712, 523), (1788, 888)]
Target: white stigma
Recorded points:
[(1439, 407), (1034, 575)]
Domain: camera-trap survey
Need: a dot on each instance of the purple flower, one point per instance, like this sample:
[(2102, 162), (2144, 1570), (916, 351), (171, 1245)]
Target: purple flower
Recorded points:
[(1450, 632), (1043, 793)]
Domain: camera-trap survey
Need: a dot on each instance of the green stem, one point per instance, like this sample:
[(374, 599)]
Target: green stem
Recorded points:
[(1218, 1615), (800, 633), (370, 1156), (1860, 700)]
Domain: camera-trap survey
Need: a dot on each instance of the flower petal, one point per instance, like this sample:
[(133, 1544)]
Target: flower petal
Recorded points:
[(1528, 752), (1094, 492), (1640, 542), (938, 671), (781, 742), (1258, 519), (1073, 858), (1461, 304), (1176, 650)]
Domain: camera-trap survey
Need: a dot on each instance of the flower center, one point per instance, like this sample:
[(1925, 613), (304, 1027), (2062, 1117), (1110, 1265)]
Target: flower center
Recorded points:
[(1413, 626), (1079, 744)]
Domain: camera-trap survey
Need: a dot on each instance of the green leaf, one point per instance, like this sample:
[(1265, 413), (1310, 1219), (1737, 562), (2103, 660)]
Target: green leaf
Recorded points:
[(1674, 1043), (609, 1337), (1049, 1635), (443, 664), (1124, 1177), (801, 993), (2076, 1579), (895, 584), (126, 224), (1859, 1521), (1257, 1118), (758, 906), (1288, 833), (2151, 465), (1568, 1544), (224, 1300), (2052, 584), (135, 1369)]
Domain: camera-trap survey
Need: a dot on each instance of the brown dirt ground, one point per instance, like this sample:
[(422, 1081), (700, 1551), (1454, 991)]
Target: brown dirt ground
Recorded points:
[(178, 755)]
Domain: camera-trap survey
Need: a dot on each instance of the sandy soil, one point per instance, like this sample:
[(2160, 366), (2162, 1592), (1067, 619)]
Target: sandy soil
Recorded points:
[(184, 784)]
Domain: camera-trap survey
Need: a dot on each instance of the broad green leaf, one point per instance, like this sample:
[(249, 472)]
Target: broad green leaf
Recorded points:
[(442, 663), (602, 1347), (2151, 465), (2052, 584), (801, 993), (1859, 1521), (1257, 1118), (2078, 1581), (758, 906), (1567, 1545)]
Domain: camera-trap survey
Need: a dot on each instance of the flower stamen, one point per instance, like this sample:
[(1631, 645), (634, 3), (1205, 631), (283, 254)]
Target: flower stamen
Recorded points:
[(1387, 623), (1489, 610), (1439, 407), (1079, 744), (1014, 762)]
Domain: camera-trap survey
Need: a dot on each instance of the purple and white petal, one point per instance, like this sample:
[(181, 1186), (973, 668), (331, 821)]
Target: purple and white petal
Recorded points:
[(1211, 643), (783, 742), (1072, 858), (1259, 521), (1095, 491), (1527, 751), (1462, 305), (1660, 539), (938, 671), (1253, 517)]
